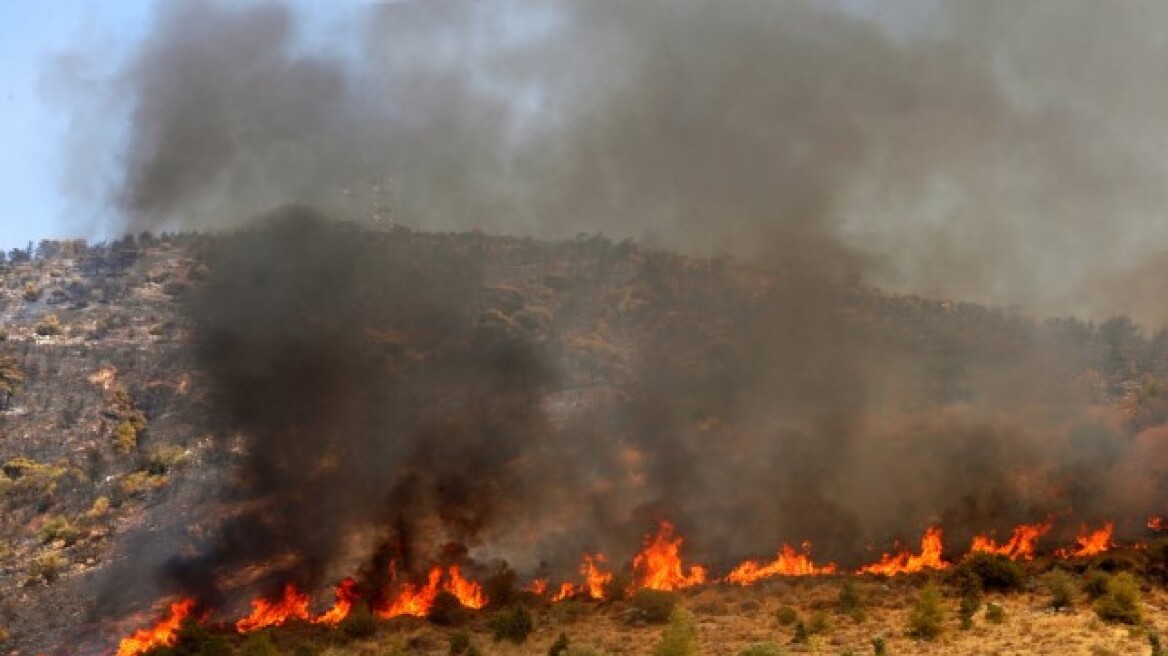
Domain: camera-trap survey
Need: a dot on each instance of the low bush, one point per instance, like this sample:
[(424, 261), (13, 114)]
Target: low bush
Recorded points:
[(850, 601), (446, 610), (927, 616), (992, 572), (48, 566), (970, 604), (258, 644), (995, 613), (1122, 601), (360, 622), (461, 645), (617, 587), (879, 646), (513, 624), (59, 528), (680, 636), (1095, 584), (653, 606), (499, 587), (560, 646), (1061, 586), (786, 616)]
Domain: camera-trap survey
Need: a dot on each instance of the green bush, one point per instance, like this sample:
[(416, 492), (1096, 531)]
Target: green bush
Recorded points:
[(879, 646), (1061, 586), (763, 649), (460, 644), (359, 623), (560, 646), (1122, 601), (995, 613), (1154, 643), (125, 437), (680, 636), (817, 624), (970, 604), (653, 606), (48, 326), (993, 572), (446, 610), (1095, 584), (850, 601), (512, 624), (59, 528), (786, 616), (47, 566), (258, 644), (927, 616), (499, 587)]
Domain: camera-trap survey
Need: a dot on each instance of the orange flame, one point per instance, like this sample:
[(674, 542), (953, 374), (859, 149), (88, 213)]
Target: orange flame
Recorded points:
[(538, 587), (1020, 546), (346, 592), (566, 591), (906, 563), (292, 606), (162, 634), (788, 563), (469, 593), (416, 600), (1156, 523), (594, 579), (1089, 543), (658, 566)]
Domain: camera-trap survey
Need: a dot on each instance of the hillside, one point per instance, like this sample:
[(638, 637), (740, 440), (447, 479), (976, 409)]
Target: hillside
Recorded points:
[(120, 453)]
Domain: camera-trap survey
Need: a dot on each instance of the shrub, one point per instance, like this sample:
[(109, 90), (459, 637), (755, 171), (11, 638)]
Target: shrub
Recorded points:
[(680, 636), (653, 606), (258, 644), (1122, 601), (460, 644), (560, 646), (617, 587), (47, 566), (1061, 586), (32, 293), (578, 650), (48, 326), (1095, 584), (360, 622), (879, 646), (850, 601), (1153, 642), (512, 624), (59, 528), (763, 649), (786, 616), (303, 649), (499, 587), (993, 572), (446, 610), (927, 615), (125, 437), (995, 613), (818, 624), (970, 604)]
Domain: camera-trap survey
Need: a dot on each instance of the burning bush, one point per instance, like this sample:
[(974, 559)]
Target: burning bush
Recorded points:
[(1122, 601)]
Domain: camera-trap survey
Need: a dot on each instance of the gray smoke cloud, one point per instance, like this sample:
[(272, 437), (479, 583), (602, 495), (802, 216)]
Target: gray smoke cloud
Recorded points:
[(980, 151)]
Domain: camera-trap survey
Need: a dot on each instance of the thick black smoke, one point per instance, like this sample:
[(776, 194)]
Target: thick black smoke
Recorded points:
[(396, 384)]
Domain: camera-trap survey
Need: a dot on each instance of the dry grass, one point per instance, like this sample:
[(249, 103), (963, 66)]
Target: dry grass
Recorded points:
[(731, 618)]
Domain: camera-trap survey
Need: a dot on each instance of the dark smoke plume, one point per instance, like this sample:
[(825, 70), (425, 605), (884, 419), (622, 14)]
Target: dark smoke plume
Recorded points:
[(390, 382)]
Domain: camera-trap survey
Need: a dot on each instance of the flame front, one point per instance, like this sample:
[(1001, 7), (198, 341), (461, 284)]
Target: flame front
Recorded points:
[(346, 592), (658, 566), (788, 563), (538, 587), (163, 634), (292, 606), (906, 563), (1089, 543), (1021, 545), (417, 600), (1156, 523)]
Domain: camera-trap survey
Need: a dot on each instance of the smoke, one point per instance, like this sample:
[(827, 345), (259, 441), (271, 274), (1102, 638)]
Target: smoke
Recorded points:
[(394, 382)]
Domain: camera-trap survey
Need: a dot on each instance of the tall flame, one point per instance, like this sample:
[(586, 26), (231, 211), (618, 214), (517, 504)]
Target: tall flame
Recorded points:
[(1020, 546), (346, 592), (417, 600), (1089, 542), (292, 606), (658, 566), (788, 563), (906, 563), (162, 634)]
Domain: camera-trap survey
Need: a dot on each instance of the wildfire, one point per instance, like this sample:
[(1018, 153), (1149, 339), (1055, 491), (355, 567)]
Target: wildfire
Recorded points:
[(594, 580), (1089, 543), (906, 563), (1156, 523), (292, 606), (658, 566), (538, 587), (346, 592), (162, 634), (787, 563), (566, 591), (1020, 546), (416, 600)]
